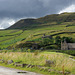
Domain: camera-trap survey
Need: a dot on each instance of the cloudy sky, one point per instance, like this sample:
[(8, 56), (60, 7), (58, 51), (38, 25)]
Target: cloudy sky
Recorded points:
[(14, 10)]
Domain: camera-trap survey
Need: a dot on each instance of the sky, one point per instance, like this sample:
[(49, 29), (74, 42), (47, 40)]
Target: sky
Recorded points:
[(13, 10)]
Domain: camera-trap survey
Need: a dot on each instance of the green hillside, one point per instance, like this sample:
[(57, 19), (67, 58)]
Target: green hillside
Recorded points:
[(33, 29), (48, 20)]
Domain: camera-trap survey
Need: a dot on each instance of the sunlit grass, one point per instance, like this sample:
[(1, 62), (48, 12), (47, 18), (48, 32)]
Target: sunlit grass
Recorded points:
[(60, 59), (7, 36)]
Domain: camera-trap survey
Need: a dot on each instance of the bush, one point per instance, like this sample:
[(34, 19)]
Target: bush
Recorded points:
[(36, 52), (51, 47), (70, 52), (23, 45), (46, 41), (10, 47), (58, 40), (29, 50), (68, 39)]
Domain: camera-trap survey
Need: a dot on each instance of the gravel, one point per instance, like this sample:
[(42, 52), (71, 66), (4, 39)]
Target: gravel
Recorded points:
[(10, 71)]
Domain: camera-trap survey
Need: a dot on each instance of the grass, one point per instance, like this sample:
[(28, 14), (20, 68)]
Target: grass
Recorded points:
[(60, 59), (30, 29), (49, 25), (30, 69), (7, 36)]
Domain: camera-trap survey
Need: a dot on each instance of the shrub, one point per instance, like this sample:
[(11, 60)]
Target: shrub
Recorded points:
[(51, 47), (10, 47), (23, 45), (68, 39), (58, 40), (36, 52), (29, 50), (46, 41)]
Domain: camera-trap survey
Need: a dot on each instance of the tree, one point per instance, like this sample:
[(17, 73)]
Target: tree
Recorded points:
[(46, 41), (68, 39), (58, 41)]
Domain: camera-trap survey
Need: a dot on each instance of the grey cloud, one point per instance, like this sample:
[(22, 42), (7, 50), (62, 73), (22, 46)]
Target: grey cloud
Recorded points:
[(31, 8), (16, 9)]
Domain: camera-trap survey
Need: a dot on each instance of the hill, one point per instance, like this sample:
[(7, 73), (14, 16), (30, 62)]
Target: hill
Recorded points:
[(24, 23), (33, 29), (43, 21), (17, 42)]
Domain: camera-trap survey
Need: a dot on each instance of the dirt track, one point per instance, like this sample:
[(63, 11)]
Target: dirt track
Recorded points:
[(10, 71)]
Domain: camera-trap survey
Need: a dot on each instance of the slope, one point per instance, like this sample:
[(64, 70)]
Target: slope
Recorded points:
[(54, 19), (33, 29)]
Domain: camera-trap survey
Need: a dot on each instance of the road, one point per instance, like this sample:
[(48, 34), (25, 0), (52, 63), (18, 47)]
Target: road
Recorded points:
[(10, 71)]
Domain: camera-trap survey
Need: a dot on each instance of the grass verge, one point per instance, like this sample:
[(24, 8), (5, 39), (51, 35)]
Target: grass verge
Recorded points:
[(39, 58)]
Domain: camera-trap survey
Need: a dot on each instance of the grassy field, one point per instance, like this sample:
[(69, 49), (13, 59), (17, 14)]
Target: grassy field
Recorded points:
[(10, 37), (32, 29), (60, 60)]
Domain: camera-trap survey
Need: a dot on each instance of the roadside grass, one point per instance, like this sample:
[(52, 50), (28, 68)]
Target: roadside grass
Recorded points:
[(37, 70), (60, 60)]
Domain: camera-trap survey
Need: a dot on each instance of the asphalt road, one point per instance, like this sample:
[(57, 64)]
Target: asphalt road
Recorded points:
[(10, 71)]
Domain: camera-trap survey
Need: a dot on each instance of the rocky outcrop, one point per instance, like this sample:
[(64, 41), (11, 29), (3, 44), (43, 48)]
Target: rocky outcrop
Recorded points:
[(10, 61)]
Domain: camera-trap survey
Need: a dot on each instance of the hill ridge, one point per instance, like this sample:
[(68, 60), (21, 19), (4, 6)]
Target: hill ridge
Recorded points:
[(33, 23)]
